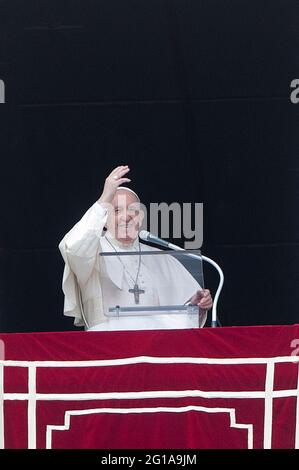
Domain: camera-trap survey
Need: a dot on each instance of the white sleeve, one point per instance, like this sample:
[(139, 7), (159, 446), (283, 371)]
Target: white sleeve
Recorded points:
[(81, 244), (181, 285)]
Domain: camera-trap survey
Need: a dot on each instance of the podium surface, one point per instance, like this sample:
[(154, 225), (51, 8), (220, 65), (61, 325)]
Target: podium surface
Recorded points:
[(233, 387)]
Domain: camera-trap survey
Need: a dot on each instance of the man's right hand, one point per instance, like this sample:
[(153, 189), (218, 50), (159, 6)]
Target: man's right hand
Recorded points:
[(115, 179)]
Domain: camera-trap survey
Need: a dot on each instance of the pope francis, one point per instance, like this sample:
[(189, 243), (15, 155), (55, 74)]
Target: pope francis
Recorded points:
[(93, 283)]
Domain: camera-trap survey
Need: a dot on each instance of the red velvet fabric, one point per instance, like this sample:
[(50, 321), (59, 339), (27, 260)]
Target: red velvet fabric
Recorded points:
[(181, 409)]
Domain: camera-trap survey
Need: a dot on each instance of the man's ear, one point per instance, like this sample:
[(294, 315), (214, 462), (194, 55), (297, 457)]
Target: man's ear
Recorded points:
[(141, 216)]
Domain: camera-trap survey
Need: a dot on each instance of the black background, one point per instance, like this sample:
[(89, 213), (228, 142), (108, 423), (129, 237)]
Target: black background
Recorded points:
[(194, 95)]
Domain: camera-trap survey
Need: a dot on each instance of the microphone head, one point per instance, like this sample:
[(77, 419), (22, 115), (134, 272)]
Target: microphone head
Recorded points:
[(144, 235)]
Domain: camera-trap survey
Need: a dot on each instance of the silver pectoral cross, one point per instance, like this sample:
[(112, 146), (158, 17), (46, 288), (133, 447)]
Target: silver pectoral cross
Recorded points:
[(136, 291)]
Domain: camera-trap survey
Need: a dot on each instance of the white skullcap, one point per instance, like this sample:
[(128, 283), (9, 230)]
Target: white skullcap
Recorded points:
[(130, 190)]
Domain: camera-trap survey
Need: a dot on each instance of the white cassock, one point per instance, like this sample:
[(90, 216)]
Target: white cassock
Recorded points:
[(104, 281)]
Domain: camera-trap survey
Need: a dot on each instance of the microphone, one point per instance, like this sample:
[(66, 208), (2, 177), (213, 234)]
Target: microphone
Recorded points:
[(149, 237)]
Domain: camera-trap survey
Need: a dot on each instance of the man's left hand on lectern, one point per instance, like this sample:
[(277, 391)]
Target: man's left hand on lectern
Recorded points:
[(203, 299)]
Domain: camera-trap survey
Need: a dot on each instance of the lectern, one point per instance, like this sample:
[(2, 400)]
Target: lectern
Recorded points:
[(154, 289)]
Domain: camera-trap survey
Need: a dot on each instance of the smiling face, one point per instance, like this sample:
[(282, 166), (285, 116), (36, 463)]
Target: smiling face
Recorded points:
[(124, 217)]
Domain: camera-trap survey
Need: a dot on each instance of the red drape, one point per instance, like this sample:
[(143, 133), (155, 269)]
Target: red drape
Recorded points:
[(211, 388)]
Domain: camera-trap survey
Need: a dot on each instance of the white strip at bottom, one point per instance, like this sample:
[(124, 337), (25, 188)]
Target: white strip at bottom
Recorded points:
[(32, 407), (268, 406), (297, 415), (160, 409), (1, 407)]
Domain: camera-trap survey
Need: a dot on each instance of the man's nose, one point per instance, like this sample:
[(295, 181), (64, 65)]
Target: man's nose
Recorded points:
[(126, 216)]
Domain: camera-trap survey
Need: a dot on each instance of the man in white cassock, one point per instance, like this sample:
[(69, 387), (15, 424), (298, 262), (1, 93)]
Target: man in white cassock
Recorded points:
[(94, 283)]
